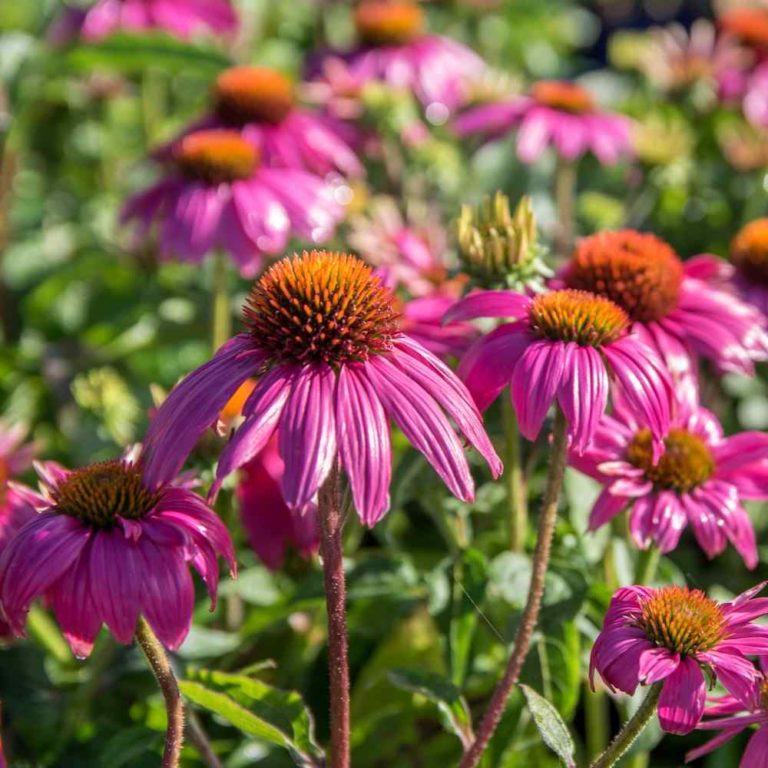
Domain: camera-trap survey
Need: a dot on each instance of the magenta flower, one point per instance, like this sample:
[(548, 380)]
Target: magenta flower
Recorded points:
[(394, 48), (107, 547), (555, 113), (271, 525), (676, 635), (323, 338), (731, 717), (678, 314), (181, 18), (700, 480), (564, 346), (217, 195)]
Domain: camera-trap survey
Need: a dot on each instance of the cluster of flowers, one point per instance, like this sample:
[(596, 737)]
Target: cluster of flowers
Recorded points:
[(329, 355)]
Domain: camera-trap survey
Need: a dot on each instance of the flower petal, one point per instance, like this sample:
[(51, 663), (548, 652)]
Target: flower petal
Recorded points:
[(682, 700)]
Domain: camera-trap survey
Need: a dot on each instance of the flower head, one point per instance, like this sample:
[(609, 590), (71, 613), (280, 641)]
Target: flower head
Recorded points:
[(674, 311), (383, 22), (747, 24), (322, 337), (676, 635), (106, 547), (554, 113), (217, 194), (700, 479), (566, 346), (749, 256)]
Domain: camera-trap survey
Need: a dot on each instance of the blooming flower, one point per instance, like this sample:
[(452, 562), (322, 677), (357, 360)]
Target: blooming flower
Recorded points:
[(323, 338), (182, 18), (107, 546), (271, 525), (675, 635), (747, 24), (565, 346), (756, 97), (217, 195), (749, 257), (394, 48), (700, 479), (731, 716), (554, 113), (261, 104), (671, 310)]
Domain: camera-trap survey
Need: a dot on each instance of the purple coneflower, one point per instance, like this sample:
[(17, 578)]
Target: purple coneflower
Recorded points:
[(699, 480), (554, 113), (218, 195), (323, 338), (674, 635), (562, 346), (106, 547), (749, 257)]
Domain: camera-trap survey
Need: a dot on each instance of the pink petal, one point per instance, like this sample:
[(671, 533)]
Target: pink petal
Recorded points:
[(683, 697), (656, 664), (488, 304)]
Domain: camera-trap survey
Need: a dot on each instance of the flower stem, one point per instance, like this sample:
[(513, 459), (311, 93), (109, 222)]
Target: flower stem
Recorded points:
[(547, 522), (161, 668), (565, 203), (647, 563), (221, 318), (597, 721), (331, 523), (202, 744), (632, 729), (516, 494)]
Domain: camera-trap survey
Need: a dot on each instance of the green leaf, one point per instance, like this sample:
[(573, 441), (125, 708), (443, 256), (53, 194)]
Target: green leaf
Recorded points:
[(133, 53), (451, 704), (275, 716), (470, 576), (553, 730)]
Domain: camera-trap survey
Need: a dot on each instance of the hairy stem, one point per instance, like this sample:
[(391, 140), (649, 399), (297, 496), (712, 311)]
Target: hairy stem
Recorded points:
[(161, 668), (547, 522), (632, 729), (221, 317), (202, 744), (513, 472), (331, 523)]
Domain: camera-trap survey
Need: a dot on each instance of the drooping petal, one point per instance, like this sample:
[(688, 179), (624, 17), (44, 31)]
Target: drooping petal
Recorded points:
[(656, 664), (488, 304), (606, 507), (682, 700)]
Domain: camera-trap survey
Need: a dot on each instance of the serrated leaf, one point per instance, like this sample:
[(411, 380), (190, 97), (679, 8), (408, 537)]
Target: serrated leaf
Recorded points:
[(451, 704), (553, 730)]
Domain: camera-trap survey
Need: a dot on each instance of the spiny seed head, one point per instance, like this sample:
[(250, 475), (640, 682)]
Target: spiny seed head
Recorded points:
[(749, 251), (683, 620), (638, 271), (388, 22), (577, 316), (216, 156), (99, 493), (685, 464), (562, 95), (252, 95), (321, 306)]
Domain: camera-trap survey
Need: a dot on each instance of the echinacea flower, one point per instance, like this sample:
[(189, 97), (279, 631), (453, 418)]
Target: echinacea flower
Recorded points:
[(323, 339), (396, 49), (732, 717), (562, 346), (260, 103), (270, 524), (749, 257), (560, 114), (671, 310), (106, 547), (218, 195), (700, 480), (748, 25), (181, 18), (681, 638)]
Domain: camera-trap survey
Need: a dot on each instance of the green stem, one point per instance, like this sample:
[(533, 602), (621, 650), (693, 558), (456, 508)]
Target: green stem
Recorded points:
[(517, 499), (161, 668), (221, 317), (530, 617), (647, 563), (627, 736), (597, 717), (565, 204)]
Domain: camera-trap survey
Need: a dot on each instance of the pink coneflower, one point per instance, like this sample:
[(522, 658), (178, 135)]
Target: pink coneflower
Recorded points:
[(107, 547), (749, 25), (554, 113), (181, 18), (731, 716), (676, 635), (563, 346), (261, 104), (700, 480), (749, 257), (271, 525), (324, 340), (679, 315), (396, 49), (217, 195)]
